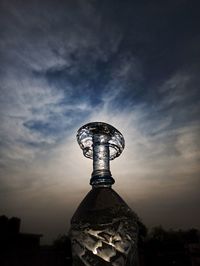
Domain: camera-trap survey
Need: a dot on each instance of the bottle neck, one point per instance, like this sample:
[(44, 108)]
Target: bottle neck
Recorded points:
[(101, 175)]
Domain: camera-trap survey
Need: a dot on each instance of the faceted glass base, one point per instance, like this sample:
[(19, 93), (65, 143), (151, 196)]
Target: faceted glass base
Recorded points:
[(104, 230)]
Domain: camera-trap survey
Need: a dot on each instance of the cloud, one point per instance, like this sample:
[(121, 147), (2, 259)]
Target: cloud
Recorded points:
[(64, 65), (160, 160)]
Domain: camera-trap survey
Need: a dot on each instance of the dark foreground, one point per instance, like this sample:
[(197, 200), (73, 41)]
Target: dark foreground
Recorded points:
[(151, 253), (156, 248)]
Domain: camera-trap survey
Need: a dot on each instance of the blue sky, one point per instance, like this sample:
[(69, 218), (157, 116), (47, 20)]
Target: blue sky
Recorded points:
[(134, 65)]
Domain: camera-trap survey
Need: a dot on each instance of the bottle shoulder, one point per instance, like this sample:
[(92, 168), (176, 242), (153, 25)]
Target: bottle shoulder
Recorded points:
[(101, 203)]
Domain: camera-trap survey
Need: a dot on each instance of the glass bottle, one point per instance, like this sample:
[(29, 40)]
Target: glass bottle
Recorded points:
[(103, 228)]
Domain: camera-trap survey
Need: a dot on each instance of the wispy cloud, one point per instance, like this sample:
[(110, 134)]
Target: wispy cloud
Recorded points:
[(64, 65)]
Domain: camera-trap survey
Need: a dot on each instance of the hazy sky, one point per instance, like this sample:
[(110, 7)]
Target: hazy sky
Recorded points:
[(133, 64)]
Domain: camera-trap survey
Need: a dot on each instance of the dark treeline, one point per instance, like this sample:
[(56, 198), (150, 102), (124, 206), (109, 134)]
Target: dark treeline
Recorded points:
[(156, 247), (159, 246)]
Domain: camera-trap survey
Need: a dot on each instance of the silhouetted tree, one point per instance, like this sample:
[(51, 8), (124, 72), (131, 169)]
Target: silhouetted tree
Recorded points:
[(142, 232), (169, 247), (62, 244)]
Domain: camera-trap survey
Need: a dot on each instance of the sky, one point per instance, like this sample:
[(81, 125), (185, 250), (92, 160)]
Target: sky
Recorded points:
[(132, 64)]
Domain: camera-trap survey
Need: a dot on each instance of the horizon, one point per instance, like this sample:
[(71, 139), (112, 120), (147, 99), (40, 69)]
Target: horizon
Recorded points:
[(132, 65), (65, 234)]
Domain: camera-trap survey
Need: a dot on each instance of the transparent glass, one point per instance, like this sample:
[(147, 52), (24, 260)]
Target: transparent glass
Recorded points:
[(103, 228)]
